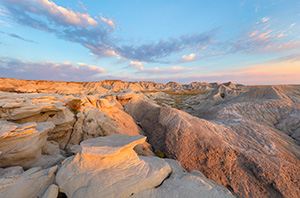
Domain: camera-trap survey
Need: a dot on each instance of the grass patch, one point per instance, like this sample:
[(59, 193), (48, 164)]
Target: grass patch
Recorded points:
[(159, 154), (74, 105)]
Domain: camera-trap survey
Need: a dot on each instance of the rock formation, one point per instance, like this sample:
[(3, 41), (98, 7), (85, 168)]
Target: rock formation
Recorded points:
[(91, 88), (111, 162), (14, 182), (250, 158), (245, 138), (26, 145), (108, 167)]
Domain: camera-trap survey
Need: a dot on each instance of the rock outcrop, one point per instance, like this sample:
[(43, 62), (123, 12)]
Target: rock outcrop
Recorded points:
[(250, 158), (109, 167), (26, 145), (184, 184), (92, 88), (14, 182), (24, 108)]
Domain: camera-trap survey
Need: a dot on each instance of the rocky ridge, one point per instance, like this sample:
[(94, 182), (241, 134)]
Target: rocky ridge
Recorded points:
[(246, 139)]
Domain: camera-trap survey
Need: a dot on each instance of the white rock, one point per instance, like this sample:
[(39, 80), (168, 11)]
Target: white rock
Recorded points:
[(51, 192), (109, 167), (184, 184), (31, 183)]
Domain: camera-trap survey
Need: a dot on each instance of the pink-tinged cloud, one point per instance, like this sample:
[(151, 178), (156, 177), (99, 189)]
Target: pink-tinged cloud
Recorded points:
[(110, 22), (68, 16), (165, 71), (292, 25), (188, 58), (137, 64), (255, 32), (91, 67), (17, 68), (280, 35), (263, 35)]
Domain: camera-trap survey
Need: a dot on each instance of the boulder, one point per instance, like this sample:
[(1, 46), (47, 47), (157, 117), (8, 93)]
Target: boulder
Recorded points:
[(52, 192), (184, 184), (31, 183), (109, 167)]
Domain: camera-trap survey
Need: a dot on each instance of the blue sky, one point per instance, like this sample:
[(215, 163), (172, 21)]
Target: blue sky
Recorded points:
[(249, 42)]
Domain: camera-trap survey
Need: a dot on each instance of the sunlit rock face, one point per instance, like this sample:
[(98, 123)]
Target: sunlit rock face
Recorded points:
[(91, 88), (109, 167), (14, 182), (26, 145), (248, 145), (24, 108)]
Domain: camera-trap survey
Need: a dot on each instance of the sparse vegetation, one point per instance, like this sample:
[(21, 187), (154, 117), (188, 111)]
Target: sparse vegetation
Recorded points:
[(159, 154), (74, 105)]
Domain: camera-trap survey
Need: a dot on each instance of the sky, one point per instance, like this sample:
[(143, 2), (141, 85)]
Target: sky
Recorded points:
[(243, 41)]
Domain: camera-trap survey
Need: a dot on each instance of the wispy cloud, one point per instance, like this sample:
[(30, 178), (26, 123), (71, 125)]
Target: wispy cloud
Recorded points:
[(96, 33), (292, 25), (110, 22), (138, 65), (17, 37), (18, 68), (99, 34), (188, 58)]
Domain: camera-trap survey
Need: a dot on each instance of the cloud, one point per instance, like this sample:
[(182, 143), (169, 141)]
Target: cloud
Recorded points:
[(263, 35), (110, 22), (169, 70), (289, 58), (97, 34), (81, 5), (137, 64), (17, 68), (188, 58), (281, 35), (292, 25), (153, 51), (17, 37), (4, 23), (255, 32)]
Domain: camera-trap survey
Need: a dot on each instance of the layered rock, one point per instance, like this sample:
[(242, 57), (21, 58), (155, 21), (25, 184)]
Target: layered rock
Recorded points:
[(109, 167), (184, 184), (24, 108), (249, 158), (26, 145), (14, 182), (104, 86)]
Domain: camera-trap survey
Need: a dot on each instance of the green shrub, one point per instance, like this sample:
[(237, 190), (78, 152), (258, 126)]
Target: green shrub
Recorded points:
[(159, 154), (74, 105)]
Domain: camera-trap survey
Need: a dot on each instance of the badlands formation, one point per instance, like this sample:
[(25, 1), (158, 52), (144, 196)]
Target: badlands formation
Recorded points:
[(99, 139)]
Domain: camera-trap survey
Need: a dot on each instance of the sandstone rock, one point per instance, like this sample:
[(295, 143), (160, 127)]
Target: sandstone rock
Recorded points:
[(51, 192), (251, 159), (26, 145), (125, 95), (91, 88), (184, 184), (24, 108), (31, 183), (108, 167)]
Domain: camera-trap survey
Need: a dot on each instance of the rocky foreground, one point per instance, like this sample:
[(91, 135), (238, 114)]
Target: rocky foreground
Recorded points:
[(66, 139)]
